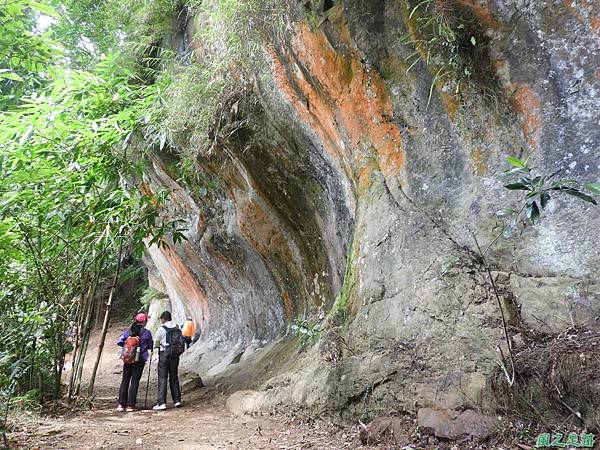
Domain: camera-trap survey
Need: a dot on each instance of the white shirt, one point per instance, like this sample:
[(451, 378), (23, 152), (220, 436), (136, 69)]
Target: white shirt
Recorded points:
[(161, 335)]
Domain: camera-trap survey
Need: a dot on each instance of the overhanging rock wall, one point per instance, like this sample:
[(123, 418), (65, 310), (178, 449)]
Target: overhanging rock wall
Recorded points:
[(359, 200)]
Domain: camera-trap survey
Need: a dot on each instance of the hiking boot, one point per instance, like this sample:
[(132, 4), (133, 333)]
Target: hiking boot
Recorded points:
[(130, 409), (159, 407), (120, 407), (178, 405)]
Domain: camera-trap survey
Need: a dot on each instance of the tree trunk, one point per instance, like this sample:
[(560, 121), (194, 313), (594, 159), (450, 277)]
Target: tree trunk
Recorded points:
[(61, 361), (56, 375), (41, 387), (55, 379), (76, 348), (82, 355), (113, 288), (85, 339), (31, 368), (86, 328)]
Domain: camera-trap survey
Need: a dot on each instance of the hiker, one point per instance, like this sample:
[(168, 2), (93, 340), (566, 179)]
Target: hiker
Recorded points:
[(136, 341), (188, 331), (170, 342)]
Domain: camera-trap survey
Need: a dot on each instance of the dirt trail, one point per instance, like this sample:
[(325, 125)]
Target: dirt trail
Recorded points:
[(203, 422)]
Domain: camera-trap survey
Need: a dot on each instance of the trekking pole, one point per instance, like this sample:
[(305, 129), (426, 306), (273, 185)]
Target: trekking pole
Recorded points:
[(148, 382)]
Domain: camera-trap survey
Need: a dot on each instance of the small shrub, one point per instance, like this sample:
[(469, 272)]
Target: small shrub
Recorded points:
[(148, 296), (209, 96), (308, 332), (556, 381), (538, 190)]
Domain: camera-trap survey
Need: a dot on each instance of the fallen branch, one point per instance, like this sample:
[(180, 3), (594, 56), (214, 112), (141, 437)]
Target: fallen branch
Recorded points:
[(510, 378)]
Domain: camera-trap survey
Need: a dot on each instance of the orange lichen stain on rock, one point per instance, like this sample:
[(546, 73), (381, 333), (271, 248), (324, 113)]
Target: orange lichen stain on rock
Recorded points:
[(258, 227), (450, 103), (501, 71), (344, 103), (595, 24), (479, 162), (180, 281), (571, 10), (483, 13), (267, 238), (201, 222), (364, 175), (146, 190), (287, 305), (528, 106), (499, 65)]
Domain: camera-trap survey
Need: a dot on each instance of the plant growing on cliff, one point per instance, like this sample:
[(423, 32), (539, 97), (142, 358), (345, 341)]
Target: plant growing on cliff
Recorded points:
[(539, 189), (451, 42), (149, 295), (210, 96), (307, 331)]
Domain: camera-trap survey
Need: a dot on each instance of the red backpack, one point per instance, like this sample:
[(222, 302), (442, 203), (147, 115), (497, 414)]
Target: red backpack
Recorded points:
[(130, 350)]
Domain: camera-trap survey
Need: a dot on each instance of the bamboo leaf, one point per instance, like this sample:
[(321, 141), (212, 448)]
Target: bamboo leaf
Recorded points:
[(10, 76), (516, 162), (594, 188)]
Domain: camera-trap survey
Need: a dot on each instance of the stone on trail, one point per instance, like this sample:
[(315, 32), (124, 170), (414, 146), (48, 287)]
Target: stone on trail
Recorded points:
[(244, 402), (191, 382), (450, 424), (385, 430)]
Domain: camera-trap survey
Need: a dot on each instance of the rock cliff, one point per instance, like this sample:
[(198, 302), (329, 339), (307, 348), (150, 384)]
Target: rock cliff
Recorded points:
[(353, 199)]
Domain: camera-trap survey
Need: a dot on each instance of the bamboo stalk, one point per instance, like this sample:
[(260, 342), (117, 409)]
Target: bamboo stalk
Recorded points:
[(106, 319), (87, 328), (76, 349)]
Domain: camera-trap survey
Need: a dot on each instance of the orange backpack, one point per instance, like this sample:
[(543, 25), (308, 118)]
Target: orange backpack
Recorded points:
[(130, 353), (189, 328)]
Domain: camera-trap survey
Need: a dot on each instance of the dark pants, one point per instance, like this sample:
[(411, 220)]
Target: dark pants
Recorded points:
[(188, 341), (132, 373), (167, 368)]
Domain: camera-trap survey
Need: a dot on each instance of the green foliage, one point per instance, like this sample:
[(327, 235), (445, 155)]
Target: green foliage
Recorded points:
[(152, 22), (26, 53), (539, 190), (148, 296), (209, 97), (308, 332), (451, 42), (89, 28), (74, 200), (192, 102), (72, 204)]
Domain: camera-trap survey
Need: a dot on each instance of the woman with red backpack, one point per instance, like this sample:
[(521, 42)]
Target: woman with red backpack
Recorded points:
[(136, 341)]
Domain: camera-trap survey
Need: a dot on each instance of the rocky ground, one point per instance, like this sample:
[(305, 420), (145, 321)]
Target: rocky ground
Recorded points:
[(205, 423), (201, 424)]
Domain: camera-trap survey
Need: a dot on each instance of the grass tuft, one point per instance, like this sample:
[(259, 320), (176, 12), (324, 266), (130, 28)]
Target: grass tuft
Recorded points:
[(452, 43)]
